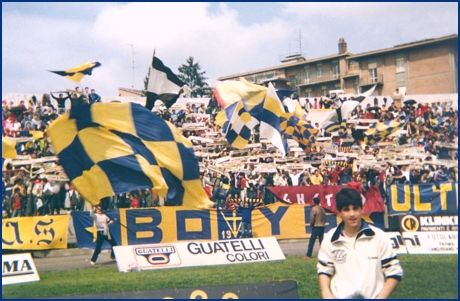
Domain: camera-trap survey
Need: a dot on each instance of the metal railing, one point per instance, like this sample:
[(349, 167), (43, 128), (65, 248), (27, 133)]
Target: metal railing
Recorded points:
[(371, 80), (314, 79)]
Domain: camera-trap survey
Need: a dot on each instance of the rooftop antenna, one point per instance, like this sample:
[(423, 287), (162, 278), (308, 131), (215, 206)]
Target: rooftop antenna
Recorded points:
[(300, 41), (132, 50)]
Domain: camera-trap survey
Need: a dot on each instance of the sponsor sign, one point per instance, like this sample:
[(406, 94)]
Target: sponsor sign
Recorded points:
[(424, 199), (18, 268), (431, 242), (397, 241), (267, 290), (35, 233), (197, 253), (414, 223)]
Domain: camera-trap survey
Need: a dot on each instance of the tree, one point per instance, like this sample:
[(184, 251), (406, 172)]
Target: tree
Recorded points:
[(190, 74), (146, 83)]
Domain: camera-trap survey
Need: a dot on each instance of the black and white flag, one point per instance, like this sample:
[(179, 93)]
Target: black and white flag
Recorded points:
[(163, 85)]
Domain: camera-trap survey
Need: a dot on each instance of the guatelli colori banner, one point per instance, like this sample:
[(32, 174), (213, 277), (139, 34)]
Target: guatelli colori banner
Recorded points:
[(424, 199), (372, 200), (35, 233), (197, 253), (175, 224)]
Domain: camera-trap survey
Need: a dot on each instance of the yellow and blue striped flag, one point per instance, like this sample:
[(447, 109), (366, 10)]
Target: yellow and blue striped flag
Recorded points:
[(76, 74), (337, 119), (231, 91), (260, 102), (269, 114), (112, 148)]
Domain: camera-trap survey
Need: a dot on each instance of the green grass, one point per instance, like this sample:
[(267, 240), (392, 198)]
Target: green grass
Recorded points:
[(425, 276)]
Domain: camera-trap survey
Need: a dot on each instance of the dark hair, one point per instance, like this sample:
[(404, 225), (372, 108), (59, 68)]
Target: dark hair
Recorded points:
[(347, 197), (316, 201)]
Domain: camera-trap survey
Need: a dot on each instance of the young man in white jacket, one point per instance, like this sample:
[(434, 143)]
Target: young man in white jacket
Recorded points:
[(356, 260), (102, 222)]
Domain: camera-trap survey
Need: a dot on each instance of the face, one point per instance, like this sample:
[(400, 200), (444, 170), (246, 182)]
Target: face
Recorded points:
[(351, 216)]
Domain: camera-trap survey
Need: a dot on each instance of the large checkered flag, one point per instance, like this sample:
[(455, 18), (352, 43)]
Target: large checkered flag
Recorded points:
[(112, 148), (237, 129)]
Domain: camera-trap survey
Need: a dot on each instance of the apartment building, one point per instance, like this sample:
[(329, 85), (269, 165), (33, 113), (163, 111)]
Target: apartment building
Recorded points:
[(423, 67)]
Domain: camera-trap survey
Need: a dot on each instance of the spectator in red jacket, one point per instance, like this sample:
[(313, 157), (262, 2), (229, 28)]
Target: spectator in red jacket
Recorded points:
[(134, 202), (334, 175)]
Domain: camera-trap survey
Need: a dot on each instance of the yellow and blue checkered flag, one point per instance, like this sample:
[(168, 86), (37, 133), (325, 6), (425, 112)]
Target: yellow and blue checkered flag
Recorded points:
[(340, 127), (293, 128), (112, 148), (238, 129), (381, 130)]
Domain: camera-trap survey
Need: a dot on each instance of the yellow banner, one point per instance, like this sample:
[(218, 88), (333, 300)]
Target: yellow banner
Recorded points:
[(35, 233), (172, 224)]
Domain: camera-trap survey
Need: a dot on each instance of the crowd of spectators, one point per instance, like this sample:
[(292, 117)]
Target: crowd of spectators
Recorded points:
[(27, 193)]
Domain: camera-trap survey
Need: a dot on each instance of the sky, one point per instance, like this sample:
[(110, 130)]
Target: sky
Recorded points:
[(225, 38)]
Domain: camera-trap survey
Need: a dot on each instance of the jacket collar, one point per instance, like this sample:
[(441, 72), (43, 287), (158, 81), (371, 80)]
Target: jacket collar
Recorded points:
[(365, 230)]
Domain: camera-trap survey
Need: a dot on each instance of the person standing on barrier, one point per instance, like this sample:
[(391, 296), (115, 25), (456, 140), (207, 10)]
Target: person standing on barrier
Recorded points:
[(246, 217), (397, 98), (102, 222), (47, 196), (317, 224), (222, 193), (16, 203), (356, 260)]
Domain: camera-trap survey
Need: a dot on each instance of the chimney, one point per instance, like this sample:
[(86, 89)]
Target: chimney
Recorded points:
[(342, 46)]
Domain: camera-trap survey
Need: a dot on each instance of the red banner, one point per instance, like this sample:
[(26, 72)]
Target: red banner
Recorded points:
[(372, 200)]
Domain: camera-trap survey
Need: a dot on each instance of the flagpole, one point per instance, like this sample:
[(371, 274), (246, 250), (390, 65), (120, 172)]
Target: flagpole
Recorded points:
[(81, 87), (115, 220)]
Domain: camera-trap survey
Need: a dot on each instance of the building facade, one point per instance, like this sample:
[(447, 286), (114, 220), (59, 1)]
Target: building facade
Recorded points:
[(423, 67)]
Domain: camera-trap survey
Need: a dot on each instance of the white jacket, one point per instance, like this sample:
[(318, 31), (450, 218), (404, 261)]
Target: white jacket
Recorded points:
[(358, 265)]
